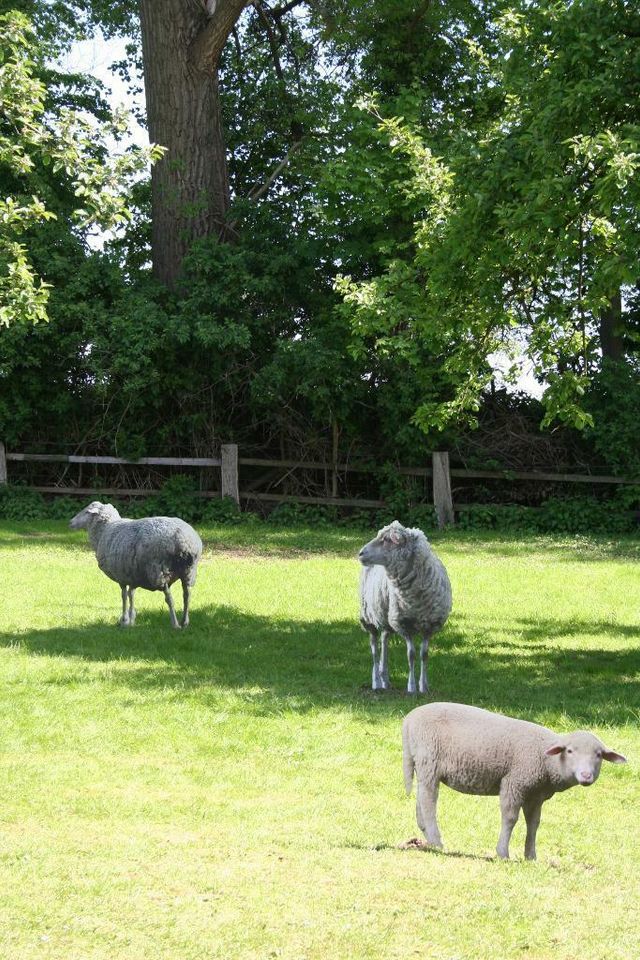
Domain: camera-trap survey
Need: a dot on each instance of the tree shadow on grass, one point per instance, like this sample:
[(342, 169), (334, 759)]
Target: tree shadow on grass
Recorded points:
[(273, 665), (250, 540), (566, 548), (267, 539)]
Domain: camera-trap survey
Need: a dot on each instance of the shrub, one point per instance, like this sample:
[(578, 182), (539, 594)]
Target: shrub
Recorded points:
[(20, 503), (617, 514), (134, 509), (586, 515), (177, 498), (63, 508), (291, 514), (477, 518), (613, 402), (361, 518), (225, 510), (422, 515)]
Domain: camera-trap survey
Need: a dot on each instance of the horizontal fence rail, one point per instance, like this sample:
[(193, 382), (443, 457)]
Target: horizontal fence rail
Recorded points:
[(148, 461), (229, 464), (300, 498)]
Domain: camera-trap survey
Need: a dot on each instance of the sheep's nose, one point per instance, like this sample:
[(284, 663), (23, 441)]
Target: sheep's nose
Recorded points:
[(585, 776)]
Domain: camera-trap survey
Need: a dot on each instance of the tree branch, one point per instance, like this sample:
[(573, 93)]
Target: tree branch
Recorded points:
[(258, 191), (236, 42), (278, 12), (273, 43), (207, 46)]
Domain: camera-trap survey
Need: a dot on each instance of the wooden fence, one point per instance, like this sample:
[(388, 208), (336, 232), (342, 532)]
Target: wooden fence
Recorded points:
[(229, 464)]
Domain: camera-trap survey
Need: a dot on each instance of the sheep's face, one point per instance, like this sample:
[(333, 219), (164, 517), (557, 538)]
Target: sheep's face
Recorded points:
[(580, 756), (390, 543), (96, 512)]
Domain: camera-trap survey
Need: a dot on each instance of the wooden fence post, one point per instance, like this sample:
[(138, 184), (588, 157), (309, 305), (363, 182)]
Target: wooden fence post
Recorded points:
[(3, 464), (229, 485), (442, 489)]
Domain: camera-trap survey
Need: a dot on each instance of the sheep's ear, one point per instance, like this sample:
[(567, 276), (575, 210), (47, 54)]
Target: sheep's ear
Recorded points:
[(555, 749), (396, 532), (613, 757)]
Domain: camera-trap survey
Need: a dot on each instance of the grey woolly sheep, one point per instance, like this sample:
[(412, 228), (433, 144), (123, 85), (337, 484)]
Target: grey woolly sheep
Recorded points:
[(151, 553), (479, 752), (404, 589)]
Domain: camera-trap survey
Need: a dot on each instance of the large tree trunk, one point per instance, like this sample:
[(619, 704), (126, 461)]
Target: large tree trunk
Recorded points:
[(611, 329), (181, 46)]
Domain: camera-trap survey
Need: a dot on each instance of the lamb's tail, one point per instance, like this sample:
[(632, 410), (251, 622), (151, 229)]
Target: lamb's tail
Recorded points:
[(408, 766)]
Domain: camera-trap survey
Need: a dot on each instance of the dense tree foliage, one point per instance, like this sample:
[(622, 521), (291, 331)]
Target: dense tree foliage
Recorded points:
[(36, 135), (530, 227), (409, 188)]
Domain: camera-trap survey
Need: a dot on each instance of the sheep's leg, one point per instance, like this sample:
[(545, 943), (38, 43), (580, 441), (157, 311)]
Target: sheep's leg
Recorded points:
[(124, 619), (532, 810), (172, 609), (411, 657), (132, 609), (510, 809), (383, 667), (376, 682), (186, 594), (426, 804), (423, 683)]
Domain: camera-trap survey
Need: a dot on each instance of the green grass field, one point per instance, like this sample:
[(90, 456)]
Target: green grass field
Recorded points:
[(235, 790)]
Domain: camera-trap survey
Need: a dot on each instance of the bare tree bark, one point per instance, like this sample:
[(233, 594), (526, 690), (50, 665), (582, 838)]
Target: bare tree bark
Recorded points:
[(611, 329), (181, 44)]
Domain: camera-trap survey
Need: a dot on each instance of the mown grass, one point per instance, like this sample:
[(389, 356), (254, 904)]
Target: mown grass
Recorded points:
[(235, 791)]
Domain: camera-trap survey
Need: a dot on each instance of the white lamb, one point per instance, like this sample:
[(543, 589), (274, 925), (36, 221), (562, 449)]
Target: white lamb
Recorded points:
[(479, 752), (151, 553), (404, 589)]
